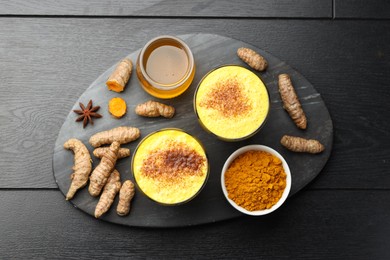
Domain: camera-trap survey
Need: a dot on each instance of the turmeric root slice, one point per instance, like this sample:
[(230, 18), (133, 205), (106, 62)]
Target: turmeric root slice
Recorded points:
[(120, 76), (122, 153), (302, 145), (121, 134), (252, 58), (154, 109), (108, 195), (82, 166), (101, 173), (117, 107), (291, 102), (126, 194)]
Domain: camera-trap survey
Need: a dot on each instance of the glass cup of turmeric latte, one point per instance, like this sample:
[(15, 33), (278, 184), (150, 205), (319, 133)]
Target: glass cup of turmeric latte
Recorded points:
[(231, 102), (165, 67), (170, 166)]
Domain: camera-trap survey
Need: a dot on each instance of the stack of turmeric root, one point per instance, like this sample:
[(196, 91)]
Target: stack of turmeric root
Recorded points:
[(290, 103), (105, 179)]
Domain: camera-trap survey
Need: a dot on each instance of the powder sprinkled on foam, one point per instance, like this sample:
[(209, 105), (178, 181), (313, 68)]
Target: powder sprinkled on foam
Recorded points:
[(227, 97), (173, 162)]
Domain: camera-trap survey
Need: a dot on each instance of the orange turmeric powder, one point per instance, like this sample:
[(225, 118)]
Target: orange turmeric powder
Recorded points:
[(255, 180)]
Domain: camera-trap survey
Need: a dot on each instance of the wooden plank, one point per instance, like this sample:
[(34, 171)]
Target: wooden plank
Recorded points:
[(47, 63), (311, 225), (375, 9), (166, 8)]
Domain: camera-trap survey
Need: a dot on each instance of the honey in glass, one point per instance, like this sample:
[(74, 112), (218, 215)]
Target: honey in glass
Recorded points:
[(165, 67)]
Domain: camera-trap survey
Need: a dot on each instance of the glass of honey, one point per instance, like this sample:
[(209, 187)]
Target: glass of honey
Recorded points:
[(165, 67)]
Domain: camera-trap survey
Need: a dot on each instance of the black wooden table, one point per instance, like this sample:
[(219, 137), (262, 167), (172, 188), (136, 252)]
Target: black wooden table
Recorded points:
[(50, 53)]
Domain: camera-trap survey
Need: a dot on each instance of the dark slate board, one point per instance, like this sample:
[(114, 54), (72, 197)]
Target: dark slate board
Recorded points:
[(210, 205)]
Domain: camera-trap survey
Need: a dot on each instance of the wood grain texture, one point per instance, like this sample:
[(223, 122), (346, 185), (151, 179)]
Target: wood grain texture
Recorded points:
[(210, 51), (166, 8), (47, 63), (312, 225), (374, 9)]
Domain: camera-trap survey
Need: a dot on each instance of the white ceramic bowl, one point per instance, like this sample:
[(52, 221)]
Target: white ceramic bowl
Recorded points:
[(257, 148)]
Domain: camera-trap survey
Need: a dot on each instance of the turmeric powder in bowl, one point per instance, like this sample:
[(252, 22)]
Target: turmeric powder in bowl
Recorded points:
[(256, 180)]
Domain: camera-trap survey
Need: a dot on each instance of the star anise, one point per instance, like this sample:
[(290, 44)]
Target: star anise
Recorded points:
[(87, 113)]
